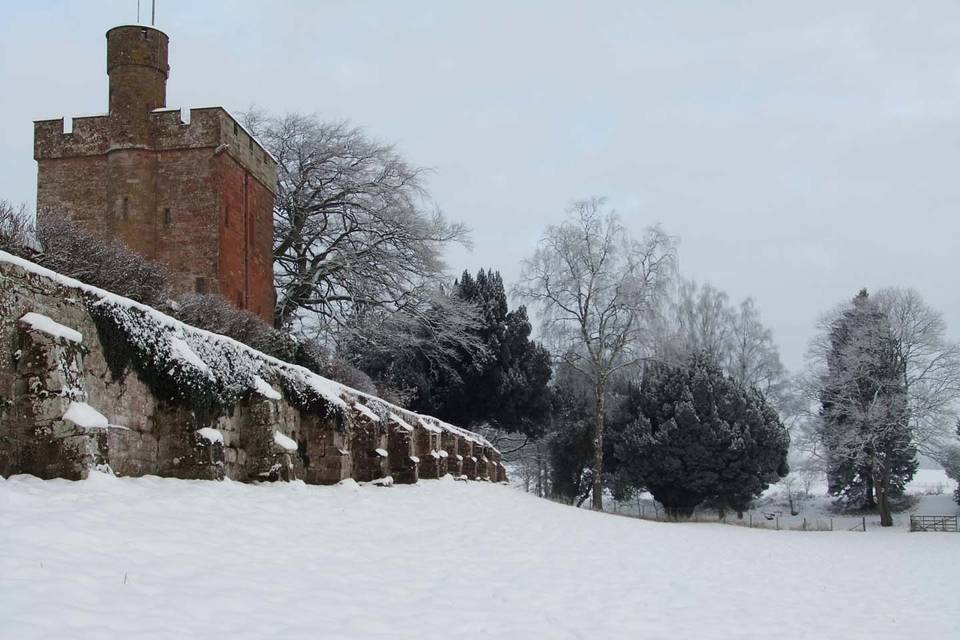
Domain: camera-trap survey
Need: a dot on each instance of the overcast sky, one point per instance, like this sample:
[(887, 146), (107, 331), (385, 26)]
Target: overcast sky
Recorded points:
[(799, 150)]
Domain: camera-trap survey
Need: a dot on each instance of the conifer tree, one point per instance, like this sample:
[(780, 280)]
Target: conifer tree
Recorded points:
[(951, 463), (702, 436), (507, 388), (865, 426)]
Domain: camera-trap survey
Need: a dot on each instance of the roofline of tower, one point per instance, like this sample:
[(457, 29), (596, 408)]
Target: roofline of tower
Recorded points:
[(135, 26)]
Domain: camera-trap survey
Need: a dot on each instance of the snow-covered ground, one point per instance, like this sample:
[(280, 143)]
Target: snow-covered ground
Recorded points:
[(163, 558)]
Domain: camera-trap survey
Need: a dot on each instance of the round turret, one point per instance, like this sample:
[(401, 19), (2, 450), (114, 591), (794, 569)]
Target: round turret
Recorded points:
[(138, 70)]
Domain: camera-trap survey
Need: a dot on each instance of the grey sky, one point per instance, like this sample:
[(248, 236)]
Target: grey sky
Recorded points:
[(800, 150)]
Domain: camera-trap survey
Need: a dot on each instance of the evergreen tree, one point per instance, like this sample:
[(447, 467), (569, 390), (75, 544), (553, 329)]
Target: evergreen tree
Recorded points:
[(570, 443), (702, 436), (951, 464), (865, 426), (508, 388)]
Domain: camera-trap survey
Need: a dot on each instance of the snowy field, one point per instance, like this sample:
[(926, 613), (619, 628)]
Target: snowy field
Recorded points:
[(930, 491), (161, 558)]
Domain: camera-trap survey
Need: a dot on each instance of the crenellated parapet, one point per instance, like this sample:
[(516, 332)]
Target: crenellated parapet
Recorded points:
[(88, 136), (211, 128)]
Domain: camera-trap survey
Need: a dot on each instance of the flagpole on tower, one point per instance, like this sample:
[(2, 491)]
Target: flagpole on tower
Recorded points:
[(138, 11), (153, 12)]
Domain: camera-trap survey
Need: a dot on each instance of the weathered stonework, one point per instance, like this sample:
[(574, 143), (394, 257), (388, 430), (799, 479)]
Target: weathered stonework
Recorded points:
[(468, 453), (428, 451), (195, 195), (258, 437), (404, 465), (369, 447), (451, 447)]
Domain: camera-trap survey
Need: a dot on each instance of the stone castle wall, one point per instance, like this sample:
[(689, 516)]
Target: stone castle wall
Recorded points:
[(65, 408)]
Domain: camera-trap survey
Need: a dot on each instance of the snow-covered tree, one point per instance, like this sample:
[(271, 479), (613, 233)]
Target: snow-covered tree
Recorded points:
[(704, 321), (701, 320), (699, 436), (595, 285), (930, 367), (865, 423), (951, 462), (353, 223), (753, 358), (17, 232), (418, 354)]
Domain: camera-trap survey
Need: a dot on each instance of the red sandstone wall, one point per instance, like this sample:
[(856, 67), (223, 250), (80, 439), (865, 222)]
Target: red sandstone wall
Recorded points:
[(260, 292), (232, 226), (246, 238)]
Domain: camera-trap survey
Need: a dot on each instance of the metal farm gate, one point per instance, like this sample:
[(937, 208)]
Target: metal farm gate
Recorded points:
[(933, 523)]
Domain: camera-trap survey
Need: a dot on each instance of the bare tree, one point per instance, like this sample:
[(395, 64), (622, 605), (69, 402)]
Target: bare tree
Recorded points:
[(930, 367), (412, 350), (753, 358), (354, 225), (704, 320), (17, 232), (595, 285), (701, 320)]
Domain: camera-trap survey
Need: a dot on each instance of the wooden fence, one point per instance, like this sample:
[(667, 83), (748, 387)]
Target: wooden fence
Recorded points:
[(933, 523)]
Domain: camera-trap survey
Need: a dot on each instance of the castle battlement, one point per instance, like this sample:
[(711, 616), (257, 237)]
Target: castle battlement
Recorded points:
[(89, 135), (207, 128), (194, 192)]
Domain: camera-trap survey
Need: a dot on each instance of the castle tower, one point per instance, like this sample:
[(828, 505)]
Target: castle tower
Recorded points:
[(138, 71), (195, 195)]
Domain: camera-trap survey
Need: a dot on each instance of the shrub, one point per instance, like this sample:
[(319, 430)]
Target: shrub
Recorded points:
[(349, 375), (215, 314), (17, 232), (74, 252)]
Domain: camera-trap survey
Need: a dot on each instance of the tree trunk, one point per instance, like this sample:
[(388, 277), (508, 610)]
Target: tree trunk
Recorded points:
[(868, 500), (883, 501), (598, 448), (540, 492)]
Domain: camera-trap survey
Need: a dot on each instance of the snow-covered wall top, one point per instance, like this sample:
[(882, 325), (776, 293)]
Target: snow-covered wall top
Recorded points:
[(233, 365), (156, 392)]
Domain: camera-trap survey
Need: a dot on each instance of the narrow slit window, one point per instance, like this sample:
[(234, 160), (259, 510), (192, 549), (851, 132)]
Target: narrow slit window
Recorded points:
[(167, 217), (126, 208), (200, 285), (236, 129)]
